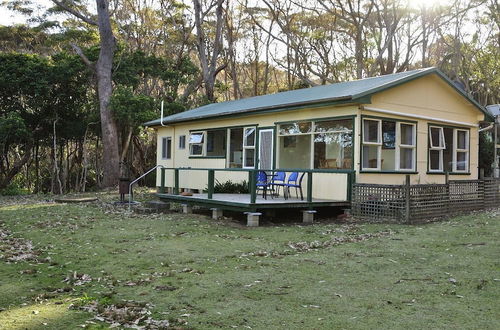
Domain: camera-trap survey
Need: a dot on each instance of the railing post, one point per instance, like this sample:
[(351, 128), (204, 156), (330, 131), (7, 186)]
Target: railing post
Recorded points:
[(162, 181), (407, 199), (253, 187), (176, 181), (211, 182), (309, 187)]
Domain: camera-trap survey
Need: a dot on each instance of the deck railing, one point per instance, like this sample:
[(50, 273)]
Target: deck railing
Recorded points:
[(252, 177)]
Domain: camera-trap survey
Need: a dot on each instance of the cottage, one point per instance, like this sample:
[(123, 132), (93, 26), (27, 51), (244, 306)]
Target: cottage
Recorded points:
[(373, 130)]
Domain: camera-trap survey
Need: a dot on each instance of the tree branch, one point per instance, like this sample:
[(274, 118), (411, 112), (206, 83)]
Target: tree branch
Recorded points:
[(75, 13), (84, 58)]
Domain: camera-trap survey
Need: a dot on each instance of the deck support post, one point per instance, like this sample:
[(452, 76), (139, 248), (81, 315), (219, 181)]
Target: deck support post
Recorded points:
[(176, 181), (308, 216), (211, 183), (187, 209), (162, 180), (216, 213), (253, 188), (407, 199), (309, 187), (253, 219)]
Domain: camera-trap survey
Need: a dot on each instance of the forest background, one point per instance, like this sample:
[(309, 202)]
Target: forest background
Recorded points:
[(78, 77)]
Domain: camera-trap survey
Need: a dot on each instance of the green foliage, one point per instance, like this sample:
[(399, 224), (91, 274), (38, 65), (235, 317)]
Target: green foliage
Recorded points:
[(230, 187), (13, 190), (130, 108), (13, 130), (486, 152)]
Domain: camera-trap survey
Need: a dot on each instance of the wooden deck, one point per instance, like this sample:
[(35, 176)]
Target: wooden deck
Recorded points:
[(241, 202)]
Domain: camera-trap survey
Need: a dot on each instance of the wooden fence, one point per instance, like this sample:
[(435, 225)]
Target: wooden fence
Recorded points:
[(422, 202)]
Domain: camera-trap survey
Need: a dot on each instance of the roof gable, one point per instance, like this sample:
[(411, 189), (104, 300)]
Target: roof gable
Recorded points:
[(354, 91)]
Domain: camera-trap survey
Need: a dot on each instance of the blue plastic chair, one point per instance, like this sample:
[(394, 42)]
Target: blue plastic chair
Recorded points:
[(262, 183), (294, 181), (278, 181)]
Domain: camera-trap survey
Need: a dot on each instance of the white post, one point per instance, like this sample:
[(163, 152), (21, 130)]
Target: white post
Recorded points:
[(253, 219), (308, 216), (187, 209), (216, 213)]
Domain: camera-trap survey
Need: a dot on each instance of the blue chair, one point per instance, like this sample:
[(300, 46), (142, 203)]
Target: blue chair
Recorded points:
[(294, 181), (278, 181), (262, 183)]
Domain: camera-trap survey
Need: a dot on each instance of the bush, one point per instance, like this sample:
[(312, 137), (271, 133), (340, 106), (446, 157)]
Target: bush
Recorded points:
[(230, 187), (13, 190)]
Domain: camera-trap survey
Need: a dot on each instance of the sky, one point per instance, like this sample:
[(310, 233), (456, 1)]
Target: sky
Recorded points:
[(8, 17)]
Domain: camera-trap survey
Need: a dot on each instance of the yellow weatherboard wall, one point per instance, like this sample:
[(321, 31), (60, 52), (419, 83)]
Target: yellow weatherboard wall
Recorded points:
[(428, 96)]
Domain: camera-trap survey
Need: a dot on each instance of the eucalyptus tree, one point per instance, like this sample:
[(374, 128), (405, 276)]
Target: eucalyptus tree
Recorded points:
[(102, 68)]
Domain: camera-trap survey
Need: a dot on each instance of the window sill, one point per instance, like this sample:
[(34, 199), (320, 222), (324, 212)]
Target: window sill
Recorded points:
[(449, 173), (387, 172), (207, 157)]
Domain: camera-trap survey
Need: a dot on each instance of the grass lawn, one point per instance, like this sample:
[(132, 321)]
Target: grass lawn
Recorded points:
[(199, 273)]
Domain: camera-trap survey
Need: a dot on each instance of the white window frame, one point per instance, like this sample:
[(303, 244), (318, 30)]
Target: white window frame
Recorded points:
[(247, 147), (441, 147), (400, 146), (203, 133), (456, 150), (370, 143)]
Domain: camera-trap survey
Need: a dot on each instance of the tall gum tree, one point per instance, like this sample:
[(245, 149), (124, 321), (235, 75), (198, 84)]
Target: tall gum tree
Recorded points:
[(102, 69)]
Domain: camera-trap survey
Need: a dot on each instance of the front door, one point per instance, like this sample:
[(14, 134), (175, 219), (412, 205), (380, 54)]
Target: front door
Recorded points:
[(266, 144)]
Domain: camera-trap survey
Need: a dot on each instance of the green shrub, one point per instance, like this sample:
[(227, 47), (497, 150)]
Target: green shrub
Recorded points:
[(230, 187), (13, 190)]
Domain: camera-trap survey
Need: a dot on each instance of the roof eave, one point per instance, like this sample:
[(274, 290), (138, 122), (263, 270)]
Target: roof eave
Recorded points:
[(281, 107)]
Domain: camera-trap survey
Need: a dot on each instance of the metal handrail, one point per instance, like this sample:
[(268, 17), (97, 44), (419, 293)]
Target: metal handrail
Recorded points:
[(142, 176)]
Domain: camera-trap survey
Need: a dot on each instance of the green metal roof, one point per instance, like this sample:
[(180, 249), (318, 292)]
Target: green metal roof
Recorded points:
[(354, 91)]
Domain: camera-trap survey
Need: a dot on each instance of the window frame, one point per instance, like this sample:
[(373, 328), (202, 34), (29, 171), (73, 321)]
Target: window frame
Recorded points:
[(166, 148), (400, 146), (312, 133), (202, 143), (246, 148), (440, 149), (378, 144), (456, 150)]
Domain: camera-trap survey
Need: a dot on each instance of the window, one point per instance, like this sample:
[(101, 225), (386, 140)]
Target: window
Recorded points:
[(388, 145), (406, 146), (372, 144), (182, 142), (216, 143), (325, 144), (461, 151), (437, 145), (196, 140), (448, 149), (166, 148), (210, 143), (333, 144), (249, 147), (235, 158)]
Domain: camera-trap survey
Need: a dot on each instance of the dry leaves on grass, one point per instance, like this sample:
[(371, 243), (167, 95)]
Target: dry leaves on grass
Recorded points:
[(307, 246), (128, 314), (77, 279), (14, 249)]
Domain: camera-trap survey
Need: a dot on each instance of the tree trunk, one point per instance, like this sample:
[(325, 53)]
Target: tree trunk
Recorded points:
[(104, 65)]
